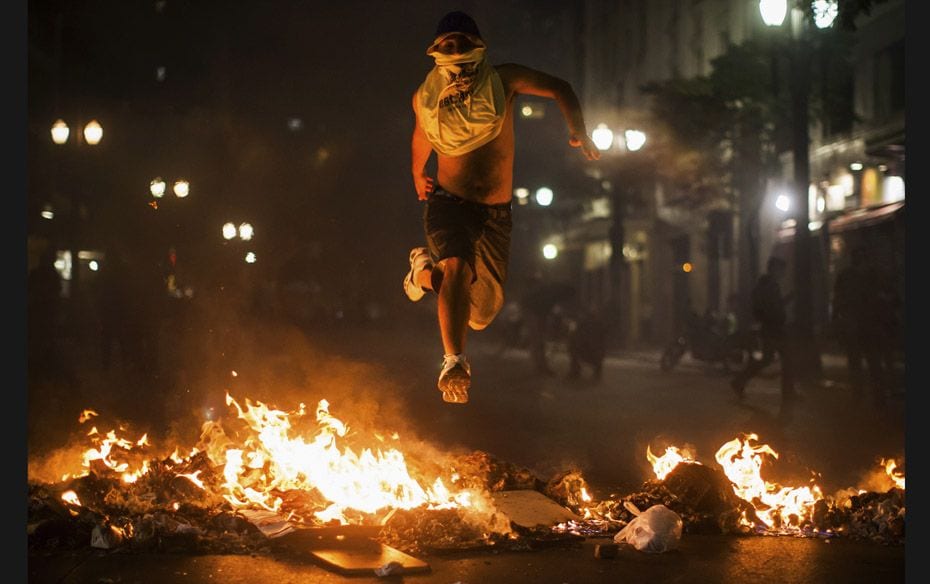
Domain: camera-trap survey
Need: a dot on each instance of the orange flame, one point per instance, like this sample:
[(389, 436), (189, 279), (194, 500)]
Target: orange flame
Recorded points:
[(776, 506), (666, 463), (894, 473), (274, 461)]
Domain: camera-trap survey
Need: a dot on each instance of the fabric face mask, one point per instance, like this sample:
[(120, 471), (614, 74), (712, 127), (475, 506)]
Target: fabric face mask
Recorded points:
[(461, 102)]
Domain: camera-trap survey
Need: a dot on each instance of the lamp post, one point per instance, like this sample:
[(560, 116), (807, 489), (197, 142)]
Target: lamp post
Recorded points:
[(773, 13), (180, 188), (91, 134), (621, 145)]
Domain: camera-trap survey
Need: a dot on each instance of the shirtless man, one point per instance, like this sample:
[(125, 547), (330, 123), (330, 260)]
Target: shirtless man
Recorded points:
[(464, 113)]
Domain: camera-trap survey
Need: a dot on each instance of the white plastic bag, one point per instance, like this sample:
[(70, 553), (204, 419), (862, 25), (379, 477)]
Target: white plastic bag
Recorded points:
[(655, 530)]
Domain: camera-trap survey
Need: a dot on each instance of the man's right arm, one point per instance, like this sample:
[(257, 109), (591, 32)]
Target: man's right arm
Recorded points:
[(420, 150)]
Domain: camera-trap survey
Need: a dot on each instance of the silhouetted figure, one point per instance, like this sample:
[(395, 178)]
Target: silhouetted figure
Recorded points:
[(44, 313), (863, 317), (127, 297), (587, 343), (769, 310), (539, 305)]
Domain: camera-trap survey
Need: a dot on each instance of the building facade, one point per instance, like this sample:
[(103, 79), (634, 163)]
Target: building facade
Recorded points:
[(701, 257)]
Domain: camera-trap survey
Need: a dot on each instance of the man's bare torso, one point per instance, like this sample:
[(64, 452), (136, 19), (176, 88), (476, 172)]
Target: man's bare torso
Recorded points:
[(484, 175)]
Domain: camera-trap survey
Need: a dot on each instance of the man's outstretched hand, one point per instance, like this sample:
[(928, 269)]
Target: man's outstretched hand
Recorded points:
[(587, 146)]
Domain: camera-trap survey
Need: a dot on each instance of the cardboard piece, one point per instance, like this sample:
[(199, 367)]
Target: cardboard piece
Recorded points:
[(367, 557), (530, 509)]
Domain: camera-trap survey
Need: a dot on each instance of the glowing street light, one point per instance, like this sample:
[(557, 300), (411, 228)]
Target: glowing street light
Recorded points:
[(783, 202), (93, 132), (825, 12), (157, 187), (544, 196), (602, 136), (181, 188), (244, 231), (60, 132), (550, 251), (635, 139), (773, 11)]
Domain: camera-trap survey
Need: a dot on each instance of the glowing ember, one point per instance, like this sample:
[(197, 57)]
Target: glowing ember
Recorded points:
[(666, 463)]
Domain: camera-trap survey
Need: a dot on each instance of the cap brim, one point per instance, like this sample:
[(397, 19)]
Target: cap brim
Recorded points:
[(478, 42)]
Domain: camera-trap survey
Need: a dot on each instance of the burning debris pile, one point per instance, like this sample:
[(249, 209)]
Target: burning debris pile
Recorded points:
[(242, 489), (737, 500)]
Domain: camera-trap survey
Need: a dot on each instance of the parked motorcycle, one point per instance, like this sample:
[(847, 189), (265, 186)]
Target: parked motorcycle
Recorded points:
[(708, 339)]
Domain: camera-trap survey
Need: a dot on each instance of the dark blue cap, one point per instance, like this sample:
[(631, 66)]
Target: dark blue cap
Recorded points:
[(457, 21)]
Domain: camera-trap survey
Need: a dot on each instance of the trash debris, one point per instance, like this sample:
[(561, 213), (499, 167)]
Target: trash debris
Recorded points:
[(655, 530), (107, 537), (389, 569)]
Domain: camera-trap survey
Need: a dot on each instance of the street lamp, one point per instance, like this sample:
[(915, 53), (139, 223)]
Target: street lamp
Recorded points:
[(92, 133), (158, 187), (245, 232), (624, 178), (544, 196), (773, 13), (602, 136)]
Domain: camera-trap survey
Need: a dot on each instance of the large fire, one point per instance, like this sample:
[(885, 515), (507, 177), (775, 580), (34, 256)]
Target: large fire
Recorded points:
[(271, 458)]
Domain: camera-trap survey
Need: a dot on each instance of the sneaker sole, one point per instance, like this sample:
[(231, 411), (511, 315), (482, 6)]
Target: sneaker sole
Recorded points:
[(413, 292), (454, 387), (411, 289)]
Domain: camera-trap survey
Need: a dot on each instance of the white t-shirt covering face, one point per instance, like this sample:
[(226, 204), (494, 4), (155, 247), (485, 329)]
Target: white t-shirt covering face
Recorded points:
[(461, 102)]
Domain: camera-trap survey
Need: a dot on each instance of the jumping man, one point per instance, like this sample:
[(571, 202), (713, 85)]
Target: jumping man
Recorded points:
[(464, 113)]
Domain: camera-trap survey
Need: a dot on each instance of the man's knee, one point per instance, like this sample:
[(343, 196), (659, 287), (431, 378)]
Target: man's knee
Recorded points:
[(455, 268)]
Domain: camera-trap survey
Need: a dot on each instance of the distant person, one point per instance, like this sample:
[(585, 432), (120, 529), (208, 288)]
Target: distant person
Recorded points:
[(769, 310), (129, 296), (464, 113), (44, 314), (587, 343), (863, 318), (538, 303)]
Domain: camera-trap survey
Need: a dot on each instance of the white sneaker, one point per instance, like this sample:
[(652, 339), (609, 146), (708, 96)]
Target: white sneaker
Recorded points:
[(455, 379), (419, 259)]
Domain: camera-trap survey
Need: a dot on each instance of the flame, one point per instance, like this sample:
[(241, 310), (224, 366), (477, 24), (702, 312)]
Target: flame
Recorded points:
[(71, 498), (894, 473), (664, 464), (776, 506), (273, 460)]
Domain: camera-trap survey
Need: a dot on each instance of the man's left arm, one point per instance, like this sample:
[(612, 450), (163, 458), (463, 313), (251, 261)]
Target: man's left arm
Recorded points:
[(524, 80)]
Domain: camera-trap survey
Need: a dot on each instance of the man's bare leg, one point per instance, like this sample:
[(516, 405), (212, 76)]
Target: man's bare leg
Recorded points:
[(454, 300), (451, 280)]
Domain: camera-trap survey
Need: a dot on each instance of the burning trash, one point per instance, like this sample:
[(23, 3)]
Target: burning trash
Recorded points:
[(265, 477), (736, 499)]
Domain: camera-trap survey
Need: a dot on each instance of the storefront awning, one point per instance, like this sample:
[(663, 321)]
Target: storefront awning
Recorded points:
[(865, 217)]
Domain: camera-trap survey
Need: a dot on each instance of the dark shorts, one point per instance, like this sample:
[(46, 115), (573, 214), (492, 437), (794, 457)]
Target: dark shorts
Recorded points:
[(479, 234)]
